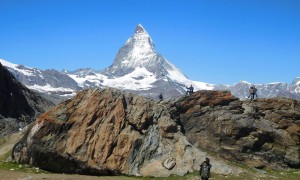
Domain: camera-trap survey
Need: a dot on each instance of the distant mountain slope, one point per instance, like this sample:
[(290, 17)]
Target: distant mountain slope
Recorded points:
[(17, 103), (48, 81), (137, 68), (269, 90)]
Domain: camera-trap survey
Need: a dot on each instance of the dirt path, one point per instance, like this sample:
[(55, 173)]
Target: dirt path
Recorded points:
[(15, 175)]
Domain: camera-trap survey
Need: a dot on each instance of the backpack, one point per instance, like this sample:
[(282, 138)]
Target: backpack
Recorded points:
[(251, 91)]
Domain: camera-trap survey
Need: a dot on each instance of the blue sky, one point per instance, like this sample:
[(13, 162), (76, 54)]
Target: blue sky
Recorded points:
[(214, 41)]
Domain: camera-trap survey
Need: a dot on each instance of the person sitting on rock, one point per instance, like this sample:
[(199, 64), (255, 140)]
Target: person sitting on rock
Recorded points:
[(190, 90), (205, 169)]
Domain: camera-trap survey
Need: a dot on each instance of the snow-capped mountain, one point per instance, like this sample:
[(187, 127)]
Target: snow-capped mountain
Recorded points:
[(19, 106), (295, 86), (269, 90), (140, 69), (54, 84)]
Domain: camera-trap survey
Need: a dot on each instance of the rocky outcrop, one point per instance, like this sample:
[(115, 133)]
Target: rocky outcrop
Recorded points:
[(265, 132), (19, 106), (109, 132)]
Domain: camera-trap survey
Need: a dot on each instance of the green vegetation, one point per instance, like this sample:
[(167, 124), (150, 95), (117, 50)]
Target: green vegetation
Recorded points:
[(262, 175), (8, 143), (173, 177), (13, 166)]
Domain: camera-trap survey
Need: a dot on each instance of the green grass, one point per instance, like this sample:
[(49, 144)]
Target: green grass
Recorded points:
[(265, 175), (278, 175), (172, 177), (13, 166)]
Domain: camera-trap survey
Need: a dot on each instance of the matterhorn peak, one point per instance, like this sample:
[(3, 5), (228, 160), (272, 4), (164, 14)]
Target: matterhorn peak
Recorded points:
[(139, 59), (140, 29), (141, 39), (138, 51)]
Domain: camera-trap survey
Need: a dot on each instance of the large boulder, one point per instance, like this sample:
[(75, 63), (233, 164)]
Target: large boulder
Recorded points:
[(109, 132), (260, 133)]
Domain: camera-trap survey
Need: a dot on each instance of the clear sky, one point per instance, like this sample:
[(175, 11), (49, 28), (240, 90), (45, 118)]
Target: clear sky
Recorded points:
[(213, 41)]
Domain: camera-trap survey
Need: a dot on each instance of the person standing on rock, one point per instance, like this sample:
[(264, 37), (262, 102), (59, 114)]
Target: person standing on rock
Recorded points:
[(252, 93), (160, 97), (255, 92), (205, 169)]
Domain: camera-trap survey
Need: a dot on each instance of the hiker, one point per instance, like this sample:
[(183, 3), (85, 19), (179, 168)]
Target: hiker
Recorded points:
[(190, 90), (160, 97), (255, 93), (252, 93), (205, 169)]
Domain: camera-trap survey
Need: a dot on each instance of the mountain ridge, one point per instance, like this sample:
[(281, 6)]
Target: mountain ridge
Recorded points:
[(137, 68), (19, 106)]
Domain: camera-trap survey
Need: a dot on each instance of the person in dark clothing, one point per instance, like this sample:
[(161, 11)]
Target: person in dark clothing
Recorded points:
[(190, 90), (255, 92), (205, 169), (160, 97), (252, 93)]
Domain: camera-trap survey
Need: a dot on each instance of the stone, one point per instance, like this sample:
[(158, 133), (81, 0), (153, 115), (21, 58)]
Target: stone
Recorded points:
[(266, 130), (109, 132), (169, 163)]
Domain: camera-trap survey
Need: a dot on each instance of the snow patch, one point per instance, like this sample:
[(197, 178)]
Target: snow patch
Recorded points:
[(275, 83), (131, 82), (96, 78), (297, 90), (139, 79), (176, 75), (245, 82), (26, 72), (8, 64), (48, 89)]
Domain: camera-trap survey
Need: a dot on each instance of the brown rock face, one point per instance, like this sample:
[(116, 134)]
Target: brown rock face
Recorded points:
[(262, 133), (109, 132)]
